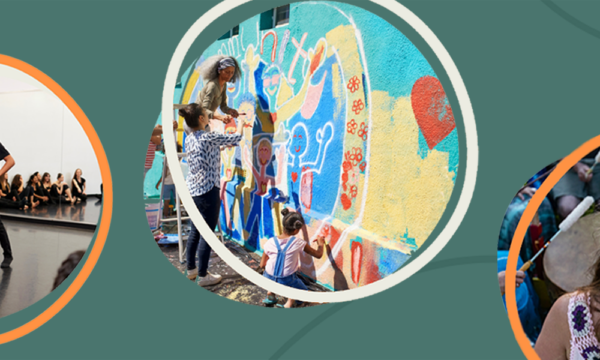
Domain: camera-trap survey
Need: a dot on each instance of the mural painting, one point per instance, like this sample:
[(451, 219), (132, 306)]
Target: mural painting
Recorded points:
[(346, 122)]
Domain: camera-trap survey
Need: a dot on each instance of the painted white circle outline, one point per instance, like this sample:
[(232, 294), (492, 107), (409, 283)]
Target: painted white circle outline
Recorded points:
[(366, 290)]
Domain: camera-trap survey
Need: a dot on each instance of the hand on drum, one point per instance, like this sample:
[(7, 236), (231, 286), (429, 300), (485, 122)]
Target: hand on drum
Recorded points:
[(501, 280), (529, 191), (582, 171)]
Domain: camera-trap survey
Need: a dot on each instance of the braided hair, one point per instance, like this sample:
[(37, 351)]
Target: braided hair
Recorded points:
[(292, 221)]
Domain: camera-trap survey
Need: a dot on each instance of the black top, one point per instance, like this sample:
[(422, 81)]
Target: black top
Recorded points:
[(3, 152), (592, 155), (80, 184), (5, 188)]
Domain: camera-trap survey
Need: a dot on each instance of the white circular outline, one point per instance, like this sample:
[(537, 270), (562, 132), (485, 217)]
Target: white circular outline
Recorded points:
[(363, 291)]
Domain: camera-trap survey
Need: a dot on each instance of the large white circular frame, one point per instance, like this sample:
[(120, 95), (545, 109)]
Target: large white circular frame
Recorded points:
[(363, 291)]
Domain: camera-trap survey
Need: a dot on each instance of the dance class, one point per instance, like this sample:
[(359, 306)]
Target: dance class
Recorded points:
[(558, 270), (50, 191)]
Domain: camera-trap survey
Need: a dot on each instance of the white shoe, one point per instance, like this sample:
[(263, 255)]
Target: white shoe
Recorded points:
[(209, 279), (192, 274)]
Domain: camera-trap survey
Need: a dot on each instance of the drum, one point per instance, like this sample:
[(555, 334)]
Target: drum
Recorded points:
[(568, 259)]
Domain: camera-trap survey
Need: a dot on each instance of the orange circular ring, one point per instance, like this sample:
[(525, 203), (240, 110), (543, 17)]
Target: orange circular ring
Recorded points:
[(511, 265), (94, 254)]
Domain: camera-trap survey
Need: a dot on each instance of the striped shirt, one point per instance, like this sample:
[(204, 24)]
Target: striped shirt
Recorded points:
[(204, 159), (150, 155)]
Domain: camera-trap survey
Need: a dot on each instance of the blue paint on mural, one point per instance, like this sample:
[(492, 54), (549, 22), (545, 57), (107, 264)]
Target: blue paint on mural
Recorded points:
[(297, 152)]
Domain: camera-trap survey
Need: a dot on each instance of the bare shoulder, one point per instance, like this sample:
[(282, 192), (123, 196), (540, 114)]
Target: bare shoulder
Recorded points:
[(555, 337)]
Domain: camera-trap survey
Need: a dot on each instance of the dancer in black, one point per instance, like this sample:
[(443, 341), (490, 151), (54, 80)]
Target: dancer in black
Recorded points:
[(9, 162), (78, 186), (60, 191)]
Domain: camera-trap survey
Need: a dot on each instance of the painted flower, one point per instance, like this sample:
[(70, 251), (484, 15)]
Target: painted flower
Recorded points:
[(353, 84), (363, 131), (358, 106), (354, 191), (352, 125), (354, 156), (362, 166), (346, 201)]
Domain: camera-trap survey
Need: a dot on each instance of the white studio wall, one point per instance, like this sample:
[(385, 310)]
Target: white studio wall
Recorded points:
[(43, 135)]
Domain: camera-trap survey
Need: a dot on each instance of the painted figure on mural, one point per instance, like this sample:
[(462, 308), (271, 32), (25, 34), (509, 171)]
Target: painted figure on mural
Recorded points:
[(313, 141), (233, 189), (227, 170), (259, 223), (310, 106)]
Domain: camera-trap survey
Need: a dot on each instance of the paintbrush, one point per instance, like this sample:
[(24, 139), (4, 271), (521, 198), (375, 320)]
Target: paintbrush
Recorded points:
[(596, 160), (564, 226)]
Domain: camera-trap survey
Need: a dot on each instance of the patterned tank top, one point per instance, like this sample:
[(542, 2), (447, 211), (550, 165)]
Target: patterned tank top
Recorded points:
[(584, 344)]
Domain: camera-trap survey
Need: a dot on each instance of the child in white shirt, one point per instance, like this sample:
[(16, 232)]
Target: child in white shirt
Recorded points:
[(281, 255)]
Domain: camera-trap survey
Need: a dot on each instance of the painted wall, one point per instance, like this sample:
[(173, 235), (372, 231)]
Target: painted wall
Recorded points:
[(46, 137), (347, 122)]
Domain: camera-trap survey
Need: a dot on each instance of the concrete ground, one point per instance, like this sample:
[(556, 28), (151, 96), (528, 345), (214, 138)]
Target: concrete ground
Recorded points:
[(233, 286)]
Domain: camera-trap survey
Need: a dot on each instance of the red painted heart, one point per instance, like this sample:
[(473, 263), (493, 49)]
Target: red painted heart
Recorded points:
[(294, 176), (432, 110)]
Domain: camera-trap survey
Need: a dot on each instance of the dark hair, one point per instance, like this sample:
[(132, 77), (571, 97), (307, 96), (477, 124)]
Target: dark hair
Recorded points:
[(30, 181), (44, 176), (59, 175), (16, 182), (67, 267), (292, 221), (179, 148), (191, 113)]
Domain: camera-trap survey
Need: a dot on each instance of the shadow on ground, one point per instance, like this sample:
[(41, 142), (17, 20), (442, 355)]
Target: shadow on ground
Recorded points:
[(235, 286)]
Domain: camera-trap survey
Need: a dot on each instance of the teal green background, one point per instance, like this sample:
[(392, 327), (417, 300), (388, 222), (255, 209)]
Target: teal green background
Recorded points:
[(531, 70)]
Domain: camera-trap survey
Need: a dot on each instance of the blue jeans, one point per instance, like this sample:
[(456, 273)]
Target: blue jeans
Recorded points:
[(209, 205), (290, 280)]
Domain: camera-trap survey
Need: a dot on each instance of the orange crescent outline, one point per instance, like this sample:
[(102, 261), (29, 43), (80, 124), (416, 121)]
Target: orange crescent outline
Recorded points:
[(511, 265), (94, 253)]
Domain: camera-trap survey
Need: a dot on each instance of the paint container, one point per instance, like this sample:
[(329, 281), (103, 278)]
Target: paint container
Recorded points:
[(153, 215)]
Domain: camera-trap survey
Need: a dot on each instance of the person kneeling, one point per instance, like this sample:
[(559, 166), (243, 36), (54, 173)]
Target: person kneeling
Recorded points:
[(281, 256)]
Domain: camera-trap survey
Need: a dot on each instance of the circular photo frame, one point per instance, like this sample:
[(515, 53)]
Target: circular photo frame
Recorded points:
[(340, 296)]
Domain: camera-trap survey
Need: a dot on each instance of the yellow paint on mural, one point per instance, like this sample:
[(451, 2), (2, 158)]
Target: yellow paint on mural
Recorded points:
[(345, 43), (294, 105), (186, 100), (405, 191), (285, 92), (252, 61)]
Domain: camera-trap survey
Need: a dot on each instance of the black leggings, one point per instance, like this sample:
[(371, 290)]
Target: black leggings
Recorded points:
[(5, 203), (209, 205), (4, 243), (76, 194)]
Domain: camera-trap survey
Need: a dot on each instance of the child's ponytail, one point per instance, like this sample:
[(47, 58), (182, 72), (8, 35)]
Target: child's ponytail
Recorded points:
[(292, 221)]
